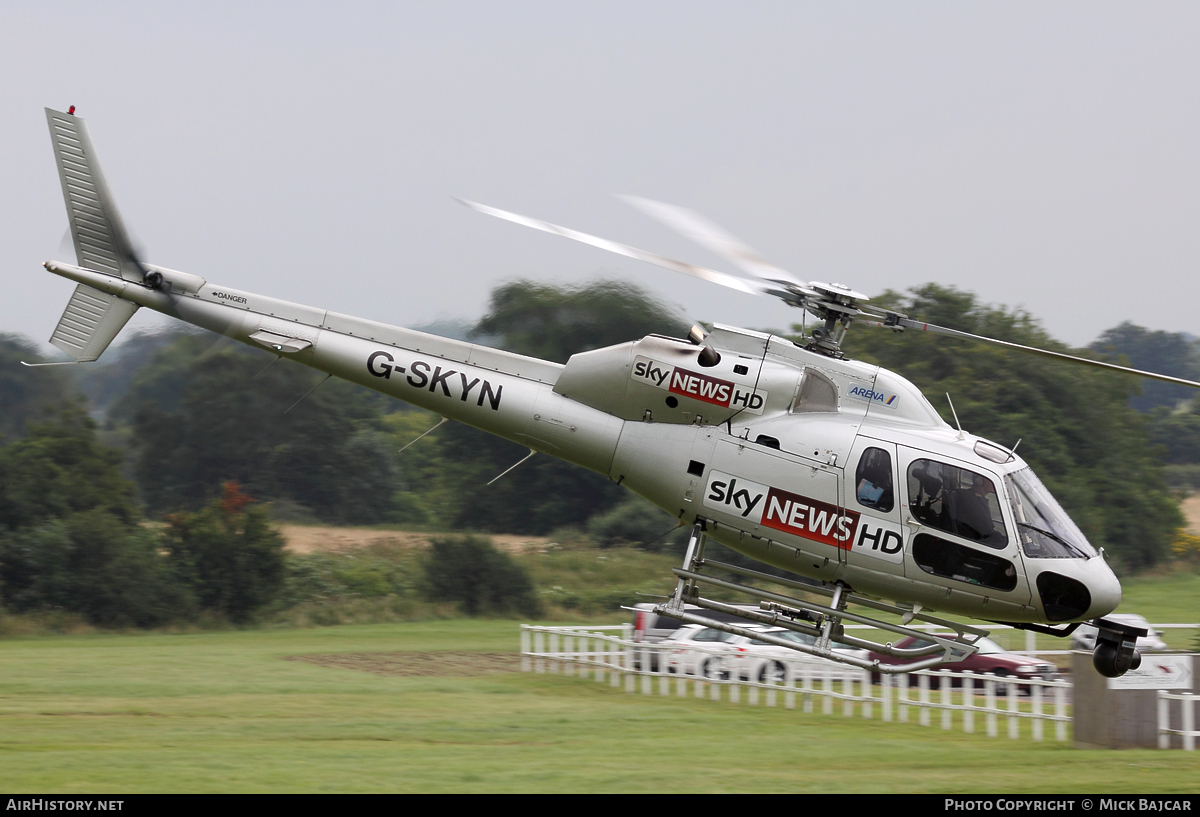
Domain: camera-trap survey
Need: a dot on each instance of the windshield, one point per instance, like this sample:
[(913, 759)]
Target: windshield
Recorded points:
[(1044, 529)]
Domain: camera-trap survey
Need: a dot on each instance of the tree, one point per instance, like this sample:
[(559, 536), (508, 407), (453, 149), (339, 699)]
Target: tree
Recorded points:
[(228, 554), (59, 469), (1177, 431), (634, 521), (542, 494), (1089, 448), (553, 323), (1173, 354), (205, 414), (27, 395), (109, 380), (483, 580), (70, 537)]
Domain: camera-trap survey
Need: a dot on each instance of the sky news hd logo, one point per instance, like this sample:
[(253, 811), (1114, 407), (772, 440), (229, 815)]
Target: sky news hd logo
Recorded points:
[(698, 386)]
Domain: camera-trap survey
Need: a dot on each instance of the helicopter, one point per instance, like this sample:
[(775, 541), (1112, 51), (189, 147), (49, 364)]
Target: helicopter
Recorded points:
[(835, 470)]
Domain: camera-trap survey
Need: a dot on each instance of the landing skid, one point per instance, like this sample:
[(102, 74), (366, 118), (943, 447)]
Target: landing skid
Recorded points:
[(824, 623)]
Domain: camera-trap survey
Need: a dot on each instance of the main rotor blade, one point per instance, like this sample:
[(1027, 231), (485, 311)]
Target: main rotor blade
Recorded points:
[(731, 281), (941, 330), (712, 237)]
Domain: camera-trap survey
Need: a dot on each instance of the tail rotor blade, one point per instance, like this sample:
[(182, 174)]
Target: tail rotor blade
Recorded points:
[(66, 247)]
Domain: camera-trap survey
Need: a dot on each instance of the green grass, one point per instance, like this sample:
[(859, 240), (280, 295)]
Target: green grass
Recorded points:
[(221, 711), (1170, 597)]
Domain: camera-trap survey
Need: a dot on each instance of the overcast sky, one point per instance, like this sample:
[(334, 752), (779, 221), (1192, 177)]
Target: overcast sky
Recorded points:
[(1043, 155)]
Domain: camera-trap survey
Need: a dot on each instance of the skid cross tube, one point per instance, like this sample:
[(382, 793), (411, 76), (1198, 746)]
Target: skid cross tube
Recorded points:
[(874, 665), (963, 647), (947, 648), (782, 616), (963, 630)]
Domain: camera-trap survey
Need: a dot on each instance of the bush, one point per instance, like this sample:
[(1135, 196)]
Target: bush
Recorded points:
[(228, 554), (70, 539), (91, 565), (471, 571), (368, 573), (636, 522), (1186, 547)]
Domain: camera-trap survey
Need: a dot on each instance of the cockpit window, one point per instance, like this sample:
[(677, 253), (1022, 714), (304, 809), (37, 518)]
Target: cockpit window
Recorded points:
[(1043, 527), (873, 480), (956, 500)]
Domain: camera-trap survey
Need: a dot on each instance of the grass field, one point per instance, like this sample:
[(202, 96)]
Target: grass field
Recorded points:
[(1167, 598), (225, 712)]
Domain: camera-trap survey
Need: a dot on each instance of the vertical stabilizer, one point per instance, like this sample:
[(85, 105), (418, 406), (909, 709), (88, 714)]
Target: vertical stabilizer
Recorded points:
[(101, 242), (92, 318)]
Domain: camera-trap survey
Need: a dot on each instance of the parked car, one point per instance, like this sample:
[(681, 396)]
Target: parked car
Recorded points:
[(651, 628), (753, 659), (1085, 637), (990, 657), (697, 650), (707, 652)]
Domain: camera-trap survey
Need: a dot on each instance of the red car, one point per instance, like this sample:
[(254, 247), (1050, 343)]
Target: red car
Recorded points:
[(991, 657)]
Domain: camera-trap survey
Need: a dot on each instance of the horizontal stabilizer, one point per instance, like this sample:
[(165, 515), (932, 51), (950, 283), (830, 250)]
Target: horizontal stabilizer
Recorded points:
[(101, 242), (92, 319)]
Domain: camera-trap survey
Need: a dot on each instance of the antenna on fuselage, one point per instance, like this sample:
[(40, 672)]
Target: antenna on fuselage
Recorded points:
[(307, 393), (962, 435), (527, 456), (430, 431), (269, 365)]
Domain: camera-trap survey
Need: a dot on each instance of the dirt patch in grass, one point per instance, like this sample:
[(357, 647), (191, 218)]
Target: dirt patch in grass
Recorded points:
[(414, 664), (317, 539)]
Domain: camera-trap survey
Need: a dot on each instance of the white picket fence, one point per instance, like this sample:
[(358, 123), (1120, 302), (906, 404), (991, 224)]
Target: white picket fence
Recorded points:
[(1187, 702), (609, 654)]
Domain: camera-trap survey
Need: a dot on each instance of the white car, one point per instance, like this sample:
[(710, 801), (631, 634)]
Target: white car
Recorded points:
[(710, 653), (697, 650), (1085, 637), (755, 660)]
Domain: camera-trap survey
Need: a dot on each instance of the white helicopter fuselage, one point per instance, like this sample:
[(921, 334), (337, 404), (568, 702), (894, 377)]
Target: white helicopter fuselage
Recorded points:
[(766, 445)]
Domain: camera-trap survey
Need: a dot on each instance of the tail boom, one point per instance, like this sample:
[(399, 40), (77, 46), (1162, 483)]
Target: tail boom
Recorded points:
[(499, 392)]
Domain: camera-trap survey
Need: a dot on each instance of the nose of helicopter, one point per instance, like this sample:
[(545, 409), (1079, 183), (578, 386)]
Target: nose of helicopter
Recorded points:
[(1104, 587)]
